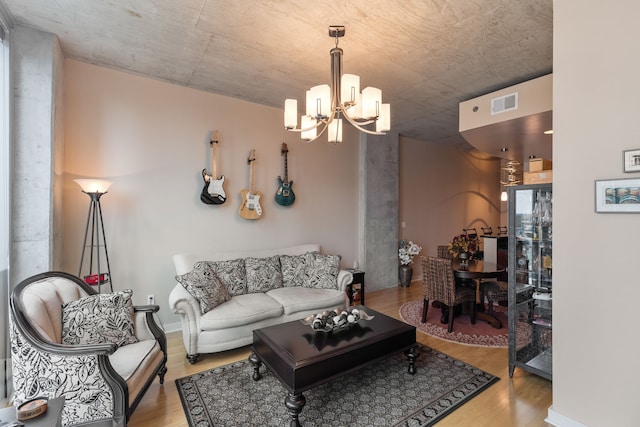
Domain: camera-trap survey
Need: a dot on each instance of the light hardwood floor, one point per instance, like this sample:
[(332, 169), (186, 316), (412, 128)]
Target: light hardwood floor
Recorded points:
[(519, 401)]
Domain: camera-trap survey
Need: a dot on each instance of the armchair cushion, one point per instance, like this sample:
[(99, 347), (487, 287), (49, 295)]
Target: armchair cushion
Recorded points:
[(99, 319), (321, 270), (263, 274), (205, 286), (232, 273)]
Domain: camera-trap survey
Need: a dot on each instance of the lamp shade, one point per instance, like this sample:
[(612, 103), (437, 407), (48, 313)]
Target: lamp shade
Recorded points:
[(307, 122), (350, 88), (383, 123), (371, 100), (93, 185), (319, 101), (335, 131), (290, 113)]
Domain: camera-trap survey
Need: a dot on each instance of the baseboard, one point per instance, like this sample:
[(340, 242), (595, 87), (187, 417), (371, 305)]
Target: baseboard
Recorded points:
[(557, 419)]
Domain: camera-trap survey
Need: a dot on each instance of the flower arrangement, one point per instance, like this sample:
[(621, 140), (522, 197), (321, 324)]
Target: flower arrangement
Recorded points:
[(407, 251), (463, 243)]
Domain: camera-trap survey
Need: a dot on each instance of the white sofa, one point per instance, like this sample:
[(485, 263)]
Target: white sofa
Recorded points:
[(231, 324)]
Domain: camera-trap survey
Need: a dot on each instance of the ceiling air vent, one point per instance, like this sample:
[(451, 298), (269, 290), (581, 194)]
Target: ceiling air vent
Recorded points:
[(504, 103)]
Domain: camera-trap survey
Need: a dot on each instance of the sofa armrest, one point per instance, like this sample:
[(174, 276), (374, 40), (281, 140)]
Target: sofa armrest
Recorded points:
[(344, 278), (187, 307)]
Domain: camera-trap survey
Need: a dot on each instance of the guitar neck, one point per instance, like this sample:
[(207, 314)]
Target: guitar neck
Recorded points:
[(251, 160), (251, 191), (214, 148), (286, 169)]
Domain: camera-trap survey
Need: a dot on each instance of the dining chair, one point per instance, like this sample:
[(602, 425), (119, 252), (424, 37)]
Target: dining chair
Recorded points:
[(495, 291), (443, 252), (438, 284)]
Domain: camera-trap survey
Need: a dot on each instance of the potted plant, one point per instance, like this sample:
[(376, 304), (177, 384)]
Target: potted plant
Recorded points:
[(406, 252)]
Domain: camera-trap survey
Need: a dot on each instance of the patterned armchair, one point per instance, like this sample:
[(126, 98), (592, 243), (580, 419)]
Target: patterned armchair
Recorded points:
[(98, 351)]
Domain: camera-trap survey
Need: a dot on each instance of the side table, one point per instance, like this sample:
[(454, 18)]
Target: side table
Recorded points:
[(358, 279), (51, 418)]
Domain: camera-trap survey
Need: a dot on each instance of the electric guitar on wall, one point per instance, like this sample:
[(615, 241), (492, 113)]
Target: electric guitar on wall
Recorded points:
[(284, 195), (250, 207), (213, 193)]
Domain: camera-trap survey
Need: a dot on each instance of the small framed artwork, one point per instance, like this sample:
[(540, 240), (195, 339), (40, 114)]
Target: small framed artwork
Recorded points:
[(632, 160), (618, 195)]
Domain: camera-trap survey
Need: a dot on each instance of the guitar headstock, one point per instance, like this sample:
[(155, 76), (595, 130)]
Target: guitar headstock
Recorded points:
[(214, 137), (284, 149), (252, 156)]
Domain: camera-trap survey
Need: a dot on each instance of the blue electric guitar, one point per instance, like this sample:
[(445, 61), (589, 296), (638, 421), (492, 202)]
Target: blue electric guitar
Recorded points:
[(250, 207), (284, 195), (213, 193)]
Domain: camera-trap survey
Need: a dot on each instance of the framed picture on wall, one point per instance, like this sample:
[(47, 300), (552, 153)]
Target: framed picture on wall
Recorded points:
[(618, 195), (631, 159)]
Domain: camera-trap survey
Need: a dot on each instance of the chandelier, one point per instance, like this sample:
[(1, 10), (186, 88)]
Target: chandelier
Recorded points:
[(510, 173), (327, 106), (509, 177)]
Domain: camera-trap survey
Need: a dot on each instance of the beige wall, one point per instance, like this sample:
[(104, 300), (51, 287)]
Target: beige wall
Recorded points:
[(442, 191), (596, 287), (151, 139)]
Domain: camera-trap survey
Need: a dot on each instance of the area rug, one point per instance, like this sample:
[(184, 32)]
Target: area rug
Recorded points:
[(481, 334), (381, 394)]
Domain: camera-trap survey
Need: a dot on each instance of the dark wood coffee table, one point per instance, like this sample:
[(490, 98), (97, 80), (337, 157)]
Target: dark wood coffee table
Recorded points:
[(302, 358)]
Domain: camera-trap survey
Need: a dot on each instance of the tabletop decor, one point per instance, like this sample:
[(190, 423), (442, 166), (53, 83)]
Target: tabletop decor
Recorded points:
[(335, 319), (406, 252), (463, 247)]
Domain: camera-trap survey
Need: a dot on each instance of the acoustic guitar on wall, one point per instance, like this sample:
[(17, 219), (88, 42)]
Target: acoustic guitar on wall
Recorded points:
[(213, 192), (284, 194), (250, 207)]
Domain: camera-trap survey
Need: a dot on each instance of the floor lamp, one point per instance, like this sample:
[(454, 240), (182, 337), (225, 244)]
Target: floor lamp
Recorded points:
[(95, 188)]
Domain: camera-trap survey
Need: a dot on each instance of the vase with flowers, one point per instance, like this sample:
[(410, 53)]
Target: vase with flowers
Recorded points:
[(463, 247), (406, 252)]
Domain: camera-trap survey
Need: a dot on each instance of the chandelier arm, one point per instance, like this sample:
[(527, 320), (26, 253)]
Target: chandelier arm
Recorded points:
[(318, 123), (359, 125)]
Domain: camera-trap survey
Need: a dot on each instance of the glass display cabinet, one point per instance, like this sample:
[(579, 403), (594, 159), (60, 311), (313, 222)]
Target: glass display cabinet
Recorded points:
[(530, 279)]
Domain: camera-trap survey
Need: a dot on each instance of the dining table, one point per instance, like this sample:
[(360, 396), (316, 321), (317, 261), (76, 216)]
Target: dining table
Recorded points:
[(473, 271)]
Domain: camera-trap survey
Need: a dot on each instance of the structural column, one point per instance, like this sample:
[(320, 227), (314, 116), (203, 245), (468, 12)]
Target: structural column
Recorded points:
[(379, 202)]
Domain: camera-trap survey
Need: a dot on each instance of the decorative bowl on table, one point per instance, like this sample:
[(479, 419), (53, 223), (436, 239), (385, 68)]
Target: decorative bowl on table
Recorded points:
[(335, 319)]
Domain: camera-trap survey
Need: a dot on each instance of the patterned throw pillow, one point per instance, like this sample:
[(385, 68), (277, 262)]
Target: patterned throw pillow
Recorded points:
[(263, 274), (293, 270), (205, 286), (98, 319), (321, 270), (231, 273)]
